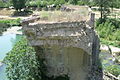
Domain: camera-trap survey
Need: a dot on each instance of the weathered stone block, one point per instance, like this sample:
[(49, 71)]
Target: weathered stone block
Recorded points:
[(70, 48)]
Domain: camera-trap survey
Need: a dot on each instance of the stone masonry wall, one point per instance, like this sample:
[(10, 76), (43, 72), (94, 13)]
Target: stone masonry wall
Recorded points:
[(70, 48)]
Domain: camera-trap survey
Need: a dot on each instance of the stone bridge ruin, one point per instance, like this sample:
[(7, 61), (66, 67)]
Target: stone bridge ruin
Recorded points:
[(69, 47)]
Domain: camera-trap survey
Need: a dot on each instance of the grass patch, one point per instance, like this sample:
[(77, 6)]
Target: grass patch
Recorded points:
[(63, 16), (15, 22)]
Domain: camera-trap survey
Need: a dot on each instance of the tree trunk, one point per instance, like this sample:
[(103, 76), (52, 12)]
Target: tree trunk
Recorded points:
[(101, 11)]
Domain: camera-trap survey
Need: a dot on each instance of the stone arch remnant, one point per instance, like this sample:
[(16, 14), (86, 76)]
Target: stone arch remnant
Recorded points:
[(69, 47)]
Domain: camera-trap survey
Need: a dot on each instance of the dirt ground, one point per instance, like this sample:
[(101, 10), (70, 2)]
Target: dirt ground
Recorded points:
[(7, 14), (114, 14)]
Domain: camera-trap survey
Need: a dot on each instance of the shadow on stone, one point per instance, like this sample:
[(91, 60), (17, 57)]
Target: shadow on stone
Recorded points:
[(22, 13)]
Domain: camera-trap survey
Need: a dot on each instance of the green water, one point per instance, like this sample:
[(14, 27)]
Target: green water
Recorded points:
[(6, 44)]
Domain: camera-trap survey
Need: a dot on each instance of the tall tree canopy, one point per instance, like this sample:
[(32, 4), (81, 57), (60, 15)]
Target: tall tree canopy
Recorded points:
[(19, 4), (104, 6)]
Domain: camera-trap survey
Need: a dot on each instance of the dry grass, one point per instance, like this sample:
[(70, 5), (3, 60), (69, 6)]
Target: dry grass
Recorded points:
[(6, 12), (63, 16)]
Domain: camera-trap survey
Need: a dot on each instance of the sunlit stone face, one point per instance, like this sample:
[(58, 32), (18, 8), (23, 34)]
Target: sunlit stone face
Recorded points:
[(70, 61), (70, 47)]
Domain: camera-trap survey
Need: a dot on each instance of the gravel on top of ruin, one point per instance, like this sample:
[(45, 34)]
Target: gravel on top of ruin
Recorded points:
[(75, 14)]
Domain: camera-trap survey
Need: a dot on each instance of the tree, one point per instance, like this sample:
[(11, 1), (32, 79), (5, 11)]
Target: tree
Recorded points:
[(73, 2), (104, 6), (19, 4), (116, 4), (59, 2)]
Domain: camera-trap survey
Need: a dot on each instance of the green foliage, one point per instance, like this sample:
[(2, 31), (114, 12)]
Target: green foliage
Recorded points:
[(21, 63), (81, 3), (107, 42), (86, 2), (15, 22), (1, 3), (44, 3), (4, 24), (50, 2), (114, 69), (37, 3), (116, 4), (73, 2), (59, 2), (5, 4), (105, 29), (19, 4), (32, 4), (115, 22), (109, 31), (104, 6)]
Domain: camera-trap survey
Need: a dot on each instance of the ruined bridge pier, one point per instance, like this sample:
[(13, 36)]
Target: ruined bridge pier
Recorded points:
[(70, 48)]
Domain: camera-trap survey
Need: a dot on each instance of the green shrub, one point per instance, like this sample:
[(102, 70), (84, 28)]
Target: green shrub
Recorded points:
[(73, 2), (19, 4), (50, 2), (15, 22), (109, 31), (107, 42), (4, 24), (59, 2), (5, 4), (44, 3), (32, 4), (1, 3), (21, 63), (113, 21), (81, 3), (114, 69), (36, 3), (116, 35), (105, 30)]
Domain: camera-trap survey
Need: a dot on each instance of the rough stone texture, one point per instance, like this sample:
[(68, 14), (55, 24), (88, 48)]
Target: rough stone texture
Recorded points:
[(70, 48)]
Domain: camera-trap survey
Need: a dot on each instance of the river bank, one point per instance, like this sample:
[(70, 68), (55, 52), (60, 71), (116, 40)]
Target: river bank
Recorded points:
[(13, 30), (108, 48), (7, 41)]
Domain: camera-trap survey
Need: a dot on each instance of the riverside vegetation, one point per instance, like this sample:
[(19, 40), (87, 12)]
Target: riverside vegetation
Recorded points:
[(21, 60), (4, 24), (109, 31)]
